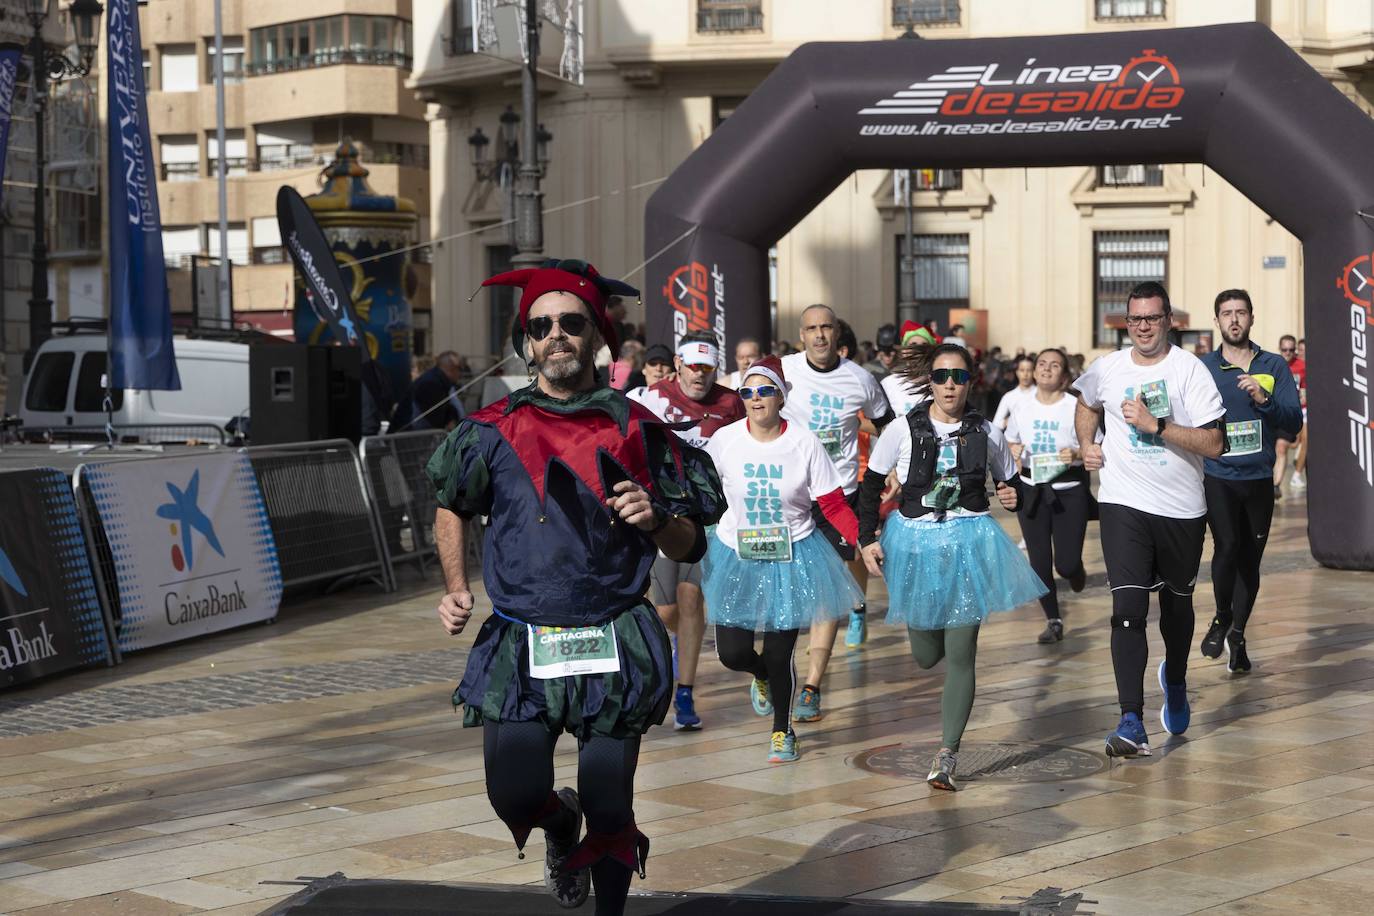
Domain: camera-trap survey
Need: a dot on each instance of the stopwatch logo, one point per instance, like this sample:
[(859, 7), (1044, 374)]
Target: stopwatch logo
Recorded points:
[(1147, 67), (1357, 281)]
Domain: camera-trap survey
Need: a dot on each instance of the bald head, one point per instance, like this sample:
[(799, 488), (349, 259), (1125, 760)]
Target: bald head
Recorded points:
[(819, 329)]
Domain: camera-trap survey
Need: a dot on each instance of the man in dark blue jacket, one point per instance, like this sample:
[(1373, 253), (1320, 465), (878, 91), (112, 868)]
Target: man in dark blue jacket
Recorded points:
[(1261, 401)]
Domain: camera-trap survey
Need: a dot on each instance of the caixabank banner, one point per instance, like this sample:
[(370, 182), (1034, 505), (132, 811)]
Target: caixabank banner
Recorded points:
[(193, 550), (50, 616)]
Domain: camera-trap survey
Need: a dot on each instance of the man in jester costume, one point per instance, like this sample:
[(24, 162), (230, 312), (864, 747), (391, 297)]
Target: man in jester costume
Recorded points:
[(581, 488)]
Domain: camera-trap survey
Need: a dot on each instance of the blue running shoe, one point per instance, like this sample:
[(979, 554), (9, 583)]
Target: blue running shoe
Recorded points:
[(759, 696), (783, 748), (808, 707), (858, 630), (1129, 739), (1174, 714), (685, 711)]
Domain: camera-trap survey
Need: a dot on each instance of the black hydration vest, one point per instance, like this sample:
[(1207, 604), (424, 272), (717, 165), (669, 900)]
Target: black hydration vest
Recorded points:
[(971, 464)]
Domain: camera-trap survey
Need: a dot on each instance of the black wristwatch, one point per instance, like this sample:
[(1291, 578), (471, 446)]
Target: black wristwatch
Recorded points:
[(661, 520), (1159, 430)]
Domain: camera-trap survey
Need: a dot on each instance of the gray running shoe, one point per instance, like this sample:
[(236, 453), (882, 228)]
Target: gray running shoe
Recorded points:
[(1053, 632), (942, 771), (570, 889)]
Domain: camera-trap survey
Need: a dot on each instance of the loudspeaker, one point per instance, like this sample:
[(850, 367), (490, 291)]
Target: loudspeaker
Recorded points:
[(301, 393)]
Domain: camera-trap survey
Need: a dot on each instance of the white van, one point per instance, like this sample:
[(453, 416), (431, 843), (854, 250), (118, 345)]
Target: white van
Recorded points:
[(65, 386)]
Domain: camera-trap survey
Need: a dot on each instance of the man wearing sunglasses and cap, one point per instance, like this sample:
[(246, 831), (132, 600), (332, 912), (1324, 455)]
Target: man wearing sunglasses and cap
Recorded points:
[(691, 397), (582, 489)]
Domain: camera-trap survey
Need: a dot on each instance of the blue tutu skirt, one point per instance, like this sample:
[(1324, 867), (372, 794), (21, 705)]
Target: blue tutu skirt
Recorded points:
[(766, 595), (952, 573)]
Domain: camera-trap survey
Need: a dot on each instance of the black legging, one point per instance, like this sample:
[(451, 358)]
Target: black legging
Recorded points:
[(735, 646), (519, 770), (1054, 522), (1239, 513)]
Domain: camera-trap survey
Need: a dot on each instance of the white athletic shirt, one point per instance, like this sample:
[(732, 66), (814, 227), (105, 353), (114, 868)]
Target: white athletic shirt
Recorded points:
[(770, 483), (1044, 429), (1008, 404), (828, 404), (893, 452), (901, 394), (1139, 469)]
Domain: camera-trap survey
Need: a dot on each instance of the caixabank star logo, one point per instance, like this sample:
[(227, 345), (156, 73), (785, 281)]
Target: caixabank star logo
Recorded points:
[(1139, 94), (1355, 283), (10, 576), (185, 515)]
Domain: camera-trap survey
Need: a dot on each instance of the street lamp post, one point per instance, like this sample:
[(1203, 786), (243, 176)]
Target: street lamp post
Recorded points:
[(529, 199), (50, 65)]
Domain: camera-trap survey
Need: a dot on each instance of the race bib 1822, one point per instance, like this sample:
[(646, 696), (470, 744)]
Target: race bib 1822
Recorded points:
[(564, 651)]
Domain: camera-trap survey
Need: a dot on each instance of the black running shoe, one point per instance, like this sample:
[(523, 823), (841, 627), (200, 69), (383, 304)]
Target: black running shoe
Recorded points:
[(1079, 580), (1216, 635), (1053, 632), (570, 889), (1239, 662)]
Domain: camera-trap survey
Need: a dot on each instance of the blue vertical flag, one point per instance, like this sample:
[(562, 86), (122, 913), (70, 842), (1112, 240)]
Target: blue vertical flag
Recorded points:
[(140, 308), (9, 75)]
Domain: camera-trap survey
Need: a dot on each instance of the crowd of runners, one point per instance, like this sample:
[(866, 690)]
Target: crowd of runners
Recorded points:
[(760, 504)]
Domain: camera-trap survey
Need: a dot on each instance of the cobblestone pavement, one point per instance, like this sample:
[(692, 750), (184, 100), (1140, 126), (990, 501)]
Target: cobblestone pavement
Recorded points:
[(103, 706)]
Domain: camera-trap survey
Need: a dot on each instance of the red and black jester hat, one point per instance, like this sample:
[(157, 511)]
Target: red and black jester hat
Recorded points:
[(565, 275)]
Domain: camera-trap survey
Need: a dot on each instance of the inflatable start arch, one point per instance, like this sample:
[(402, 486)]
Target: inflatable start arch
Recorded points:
[(1232, 96)]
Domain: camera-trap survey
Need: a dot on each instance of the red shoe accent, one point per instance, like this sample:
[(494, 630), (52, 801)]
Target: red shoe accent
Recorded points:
[(628, 846), (521, 832)]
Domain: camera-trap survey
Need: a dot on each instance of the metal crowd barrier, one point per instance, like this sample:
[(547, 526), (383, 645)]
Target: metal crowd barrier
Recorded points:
[(322, 520), (401, 494), (130, 434)]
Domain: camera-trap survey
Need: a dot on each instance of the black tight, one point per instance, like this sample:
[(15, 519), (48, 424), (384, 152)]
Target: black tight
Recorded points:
[(1239, 513), (519, 769), (735, 646), (1130, 649), (1054, 537)]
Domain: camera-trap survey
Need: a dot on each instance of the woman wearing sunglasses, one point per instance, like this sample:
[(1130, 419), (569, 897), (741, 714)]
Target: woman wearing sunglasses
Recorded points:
[(1055, 502), (767, 568), (947, 563)]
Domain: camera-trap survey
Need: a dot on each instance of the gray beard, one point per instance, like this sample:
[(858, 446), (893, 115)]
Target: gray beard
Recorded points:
[(562, 372)]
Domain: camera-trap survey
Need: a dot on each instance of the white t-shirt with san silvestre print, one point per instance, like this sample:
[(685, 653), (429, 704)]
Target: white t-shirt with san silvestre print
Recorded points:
[(901, 394), (893, 453), (770, 483), (828, 403), (1044, 429), (1141, 470)]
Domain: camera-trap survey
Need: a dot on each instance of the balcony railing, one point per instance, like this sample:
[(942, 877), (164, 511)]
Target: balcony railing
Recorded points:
[(270, 255), (329, 57), (238, 166), (937, 179), (1130, 176), (180, 171), (715, 16), (1118, 10), (919, 13)]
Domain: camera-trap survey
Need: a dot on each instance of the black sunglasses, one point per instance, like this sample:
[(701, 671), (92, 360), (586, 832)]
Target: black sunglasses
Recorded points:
[(572, 324), (941, 376), (763, 391)]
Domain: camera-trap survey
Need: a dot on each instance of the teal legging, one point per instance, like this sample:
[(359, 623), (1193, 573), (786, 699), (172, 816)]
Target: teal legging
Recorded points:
[(959, 646)]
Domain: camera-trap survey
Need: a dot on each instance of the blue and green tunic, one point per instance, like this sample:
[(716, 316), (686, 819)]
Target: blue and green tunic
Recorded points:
[(540, 469)]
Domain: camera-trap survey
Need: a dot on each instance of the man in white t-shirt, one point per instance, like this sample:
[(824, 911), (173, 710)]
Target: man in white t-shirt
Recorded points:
[(828, 394), (1162, 409)]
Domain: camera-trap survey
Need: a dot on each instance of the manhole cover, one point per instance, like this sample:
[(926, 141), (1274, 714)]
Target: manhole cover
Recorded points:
[(1011, 762)]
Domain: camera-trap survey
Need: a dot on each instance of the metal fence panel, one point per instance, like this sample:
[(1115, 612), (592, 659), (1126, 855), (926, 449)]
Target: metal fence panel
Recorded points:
[(394, 470), (320, 514)]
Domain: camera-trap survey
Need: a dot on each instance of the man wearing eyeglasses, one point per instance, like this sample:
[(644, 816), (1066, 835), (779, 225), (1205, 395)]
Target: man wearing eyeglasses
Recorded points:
[(1162, 410), (582, 489), (829, 392), (1261, 400), (1297, 368), (691, 396)]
